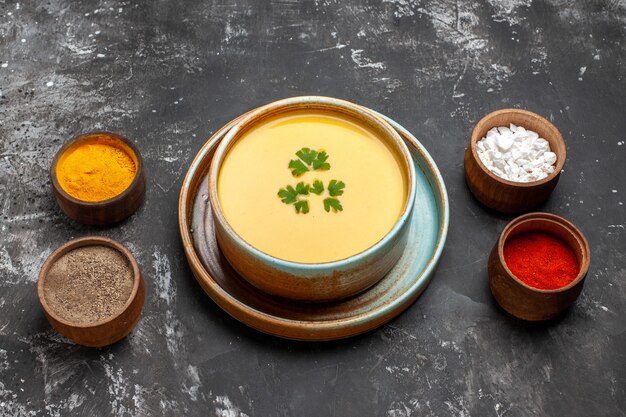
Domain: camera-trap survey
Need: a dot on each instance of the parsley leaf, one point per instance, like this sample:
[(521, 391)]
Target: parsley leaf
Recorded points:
[(297, 167), (318, 187), (302, 188), (309, 158), (288, 195), (333, 203), (320, 164), (302, 206), (335, 188), (307, 155)]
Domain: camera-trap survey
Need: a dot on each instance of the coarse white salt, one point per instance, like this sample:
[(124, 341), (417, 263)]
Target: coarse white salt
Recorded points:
[(516, 154)]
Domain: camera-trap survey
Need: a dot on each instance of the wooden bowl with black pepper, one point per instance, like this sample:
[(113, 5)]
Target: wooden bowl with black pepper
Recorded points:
[(91, 291), (500, 194), (98, 188), (515, 295)]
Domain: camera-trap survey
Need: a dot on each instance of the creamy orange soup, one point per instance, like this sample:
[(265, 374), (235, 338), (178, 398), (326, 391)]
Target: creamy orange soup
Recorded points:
[(324, 222)]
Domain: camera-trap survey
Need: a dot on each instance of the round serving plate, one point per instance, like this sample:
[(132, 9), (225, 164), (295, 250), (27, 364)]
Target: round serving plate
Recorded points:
[(315, 321)]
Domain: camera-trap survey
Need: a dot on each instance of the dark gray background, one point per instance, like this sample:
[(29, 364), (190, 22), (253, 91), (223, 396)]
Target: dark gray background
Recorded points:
[(168, 74)]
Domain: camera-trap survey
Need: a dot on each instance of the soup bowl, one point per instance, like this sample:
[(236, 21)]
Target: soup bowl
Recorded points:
[(316, 281)]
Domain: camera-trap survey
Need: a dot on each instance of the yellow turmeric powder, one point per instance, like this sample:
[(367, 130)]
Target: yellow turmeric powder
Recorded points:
[(96, 169)]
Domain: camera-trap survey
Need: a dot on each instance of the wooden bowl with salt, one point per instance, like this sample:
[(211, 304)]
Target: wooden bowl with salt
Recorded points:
[(91, 291), (498, 193), (108, 208)]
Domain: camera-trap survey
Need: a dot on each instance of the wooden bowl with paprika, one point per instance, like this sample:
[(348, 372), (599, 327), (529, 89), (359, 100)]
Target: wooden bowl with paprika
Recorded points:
[(98, 178), (537, 267)]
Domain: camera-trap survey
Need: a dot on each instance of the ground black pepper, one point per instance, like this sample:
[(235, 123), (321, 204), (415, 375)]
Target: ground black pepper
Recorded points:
[(89, 284)]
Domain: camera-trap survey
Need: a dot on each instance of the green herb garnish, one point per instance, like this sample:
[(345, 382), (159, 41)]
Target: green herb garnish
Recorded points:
[(320, 164), (318, 187), (335, 188), (289, 195), (302, 207), (310, 159), (333, 203), (302, 188), (307, 155), (297, 167)]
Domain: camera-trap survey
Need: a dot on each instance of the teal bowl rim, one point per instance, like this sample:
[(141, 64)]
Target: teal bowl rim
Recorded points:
[(426, 274), (340, 264)]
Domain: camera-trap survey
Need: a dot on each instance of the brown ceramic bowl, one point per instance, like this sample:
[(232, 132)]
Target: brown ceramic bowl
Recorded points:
[(524, 301), (508, 196), (109, 330), (324, 281), (108, 211)]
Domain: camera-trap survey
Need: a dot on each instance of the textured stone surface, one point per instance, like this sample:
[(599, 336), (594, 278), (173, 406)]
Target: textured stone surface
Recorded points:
[(168, 74)]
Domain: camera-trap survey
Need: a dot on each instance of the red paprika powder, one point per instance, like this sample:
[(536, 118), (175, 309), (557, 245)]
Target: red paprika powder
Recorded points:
[(541, 260)]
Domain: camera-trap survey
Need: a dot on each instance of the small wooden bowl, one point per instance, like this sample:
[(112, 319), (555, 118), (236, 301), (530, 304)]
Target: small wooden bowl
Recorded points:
[(109, 330), (522, 300), (108, 211), (508, 196)]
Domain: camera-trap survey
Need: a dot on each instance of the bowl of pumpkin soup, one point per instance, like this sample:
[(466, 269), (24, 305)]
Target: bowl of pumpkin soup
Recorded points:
[(311, 198)]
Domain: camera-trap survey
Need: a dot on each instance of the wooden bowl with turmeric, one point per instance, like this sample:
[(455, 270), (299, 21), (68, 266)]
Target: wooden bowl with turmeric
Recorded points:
[(98, 178)]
